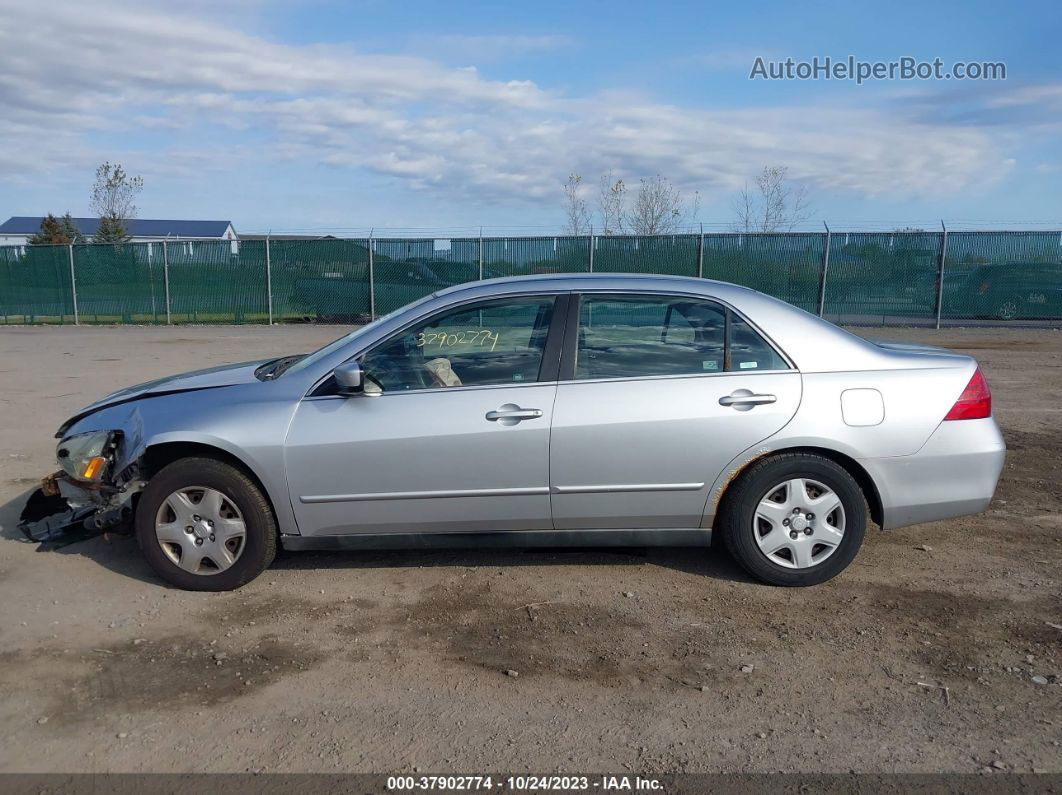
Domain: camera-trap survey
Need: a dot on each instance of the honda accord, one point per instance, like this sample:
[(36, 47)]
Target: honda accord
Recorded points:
[(578, 409)]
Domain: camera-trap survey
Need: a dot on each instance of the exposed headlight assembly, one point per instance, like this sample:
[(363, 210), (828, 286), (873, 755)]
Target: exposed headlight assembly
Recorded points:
[(88, 456)]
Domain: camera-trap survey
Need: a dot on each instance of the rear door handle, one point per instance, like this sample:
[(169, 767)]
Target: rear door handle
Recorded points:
[(742, 398), (510, 414)]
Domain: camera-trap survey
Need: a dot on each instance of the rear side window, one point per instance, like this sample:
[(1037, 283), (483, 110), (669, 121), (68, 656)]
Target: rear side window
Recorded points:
[(750, 351), (640, 336)]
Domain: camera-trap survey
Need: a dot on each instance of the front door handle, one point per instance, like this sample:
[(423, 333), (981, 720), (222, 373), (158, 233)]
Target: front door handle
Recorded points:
[(510, 414), (743, 400)]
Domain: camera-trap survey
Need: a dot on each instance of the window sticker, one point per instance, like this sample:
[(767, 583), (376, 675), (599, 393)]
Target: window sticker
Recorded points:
[(710, 364), (747, 365), (474, 337)]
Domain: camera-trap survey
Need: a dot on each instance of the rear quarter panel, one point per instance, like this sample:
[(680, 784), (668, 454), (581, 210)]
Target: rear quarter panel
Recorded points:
[(915, 403)]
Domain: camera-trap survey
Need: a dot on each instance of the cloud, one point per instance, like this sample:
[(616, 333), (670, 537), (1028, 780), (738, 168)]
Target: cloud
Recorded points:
[(729, 59), (130, 71), (491, 47), (1049, 95), (88, 55), (1032, 108)]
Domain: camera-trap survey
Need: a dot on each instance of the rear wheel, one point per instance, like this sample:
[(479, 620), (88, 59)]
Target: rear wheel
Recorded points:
[(793, 519), (203, 525)]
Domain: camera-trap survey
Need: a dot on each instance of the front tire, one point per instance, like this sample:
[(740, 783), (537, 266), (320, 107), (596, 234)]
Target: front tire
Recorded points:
[(204, 525), (794, 519)]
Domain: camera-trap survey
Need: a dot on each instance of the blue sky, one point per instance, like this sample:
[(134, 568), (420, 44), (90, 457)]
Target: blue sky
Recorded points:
[(293, 115)]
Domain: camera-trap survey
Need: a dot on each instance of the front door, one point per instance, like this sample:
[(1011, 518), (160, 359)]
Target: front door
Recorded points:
[(665, 391), (451, 434)]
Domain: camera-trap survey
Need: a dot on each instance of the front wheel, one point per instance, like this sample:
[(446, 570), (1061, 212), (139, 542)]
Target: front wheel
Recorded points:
[(794, 519), (203, 525)]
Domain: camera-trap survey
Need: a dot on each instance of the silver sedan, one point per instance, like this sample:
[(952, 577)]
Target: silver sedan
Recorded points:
[(546, 410)]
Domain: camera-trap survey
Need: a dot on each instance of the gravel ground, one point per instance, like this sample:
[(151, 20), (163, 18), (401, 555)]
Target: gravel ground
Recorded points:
[(925, 656)]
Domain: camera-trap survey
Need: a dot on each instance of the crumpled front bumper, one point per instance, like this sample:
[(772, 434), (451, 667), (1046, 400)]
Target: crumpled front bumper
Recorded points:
[(66, 509), (63, 510)]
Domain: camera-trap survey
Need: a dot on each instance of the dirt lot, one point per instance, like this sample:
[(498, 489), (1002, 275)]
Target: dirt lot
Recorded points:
[(393, 662)]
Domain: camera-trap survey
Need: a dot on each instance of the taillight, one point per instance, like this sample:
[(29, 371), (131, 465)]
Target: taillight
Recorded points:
[(975, 402)]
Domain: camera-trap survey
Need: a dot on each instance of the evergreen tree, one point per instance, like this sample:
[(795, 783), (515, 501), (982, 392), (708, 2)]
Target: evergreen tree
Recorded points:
[(56, 231), (70, 229), (111, 230)]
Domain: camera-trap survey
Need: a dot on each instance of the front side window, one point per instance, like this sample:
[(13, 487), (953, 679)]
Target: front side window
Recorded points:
[(490, 342), (639, 336)]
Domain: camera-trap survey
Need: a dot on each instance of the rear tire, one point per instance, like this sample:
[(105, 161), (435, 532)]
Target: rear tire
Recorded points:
[(763, 519), (253, 543)]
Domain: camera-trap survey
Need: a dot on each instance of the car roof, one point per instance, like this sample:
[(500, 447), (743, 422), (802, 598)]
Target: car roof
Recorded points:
[(637, 282)]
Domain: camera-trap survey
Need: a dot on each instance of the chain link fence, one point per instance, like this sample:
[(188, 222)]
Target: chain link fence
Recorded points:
[(859, 278)]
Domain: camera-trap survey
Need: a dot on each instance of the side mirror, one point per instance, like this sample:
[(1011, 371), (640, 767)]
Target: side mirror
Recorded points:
[(349, 377)]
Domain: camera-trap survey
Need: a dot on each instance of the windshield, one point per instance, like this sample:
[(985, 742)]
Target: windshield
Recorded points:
[(335, 345), (319, 354)]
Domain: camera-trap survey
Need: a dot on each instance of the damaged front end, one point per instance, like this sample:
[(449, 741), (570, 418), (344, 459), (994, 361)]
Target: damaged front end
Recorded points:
[(93, 491)]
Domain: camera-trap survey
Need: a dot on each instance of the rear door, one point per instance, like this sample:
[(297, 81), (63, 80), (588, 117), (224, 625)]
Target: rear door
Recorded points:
[(658, 394)]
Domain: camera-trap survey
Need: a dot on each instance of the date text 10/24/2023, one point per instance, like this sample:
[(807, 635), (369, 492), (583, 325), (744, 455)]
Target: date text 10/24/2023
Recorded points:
[(524, 783)]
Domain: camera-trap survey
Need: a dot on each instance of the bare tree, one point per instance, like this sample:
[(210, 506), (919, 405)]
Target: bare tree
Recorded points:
[(660, 208), (113, 200), (612, 203), (576, 207), (773, 204)]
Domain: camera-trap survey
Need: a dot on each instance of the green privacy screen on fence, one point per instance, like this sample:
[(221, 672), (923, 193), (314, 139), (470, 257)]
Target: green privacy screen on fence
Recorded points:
[(870, 278), (35, 284)]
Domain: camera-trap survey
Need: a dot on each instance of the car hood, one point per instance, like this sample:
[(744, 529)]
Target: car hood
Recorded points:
[(225, 375)]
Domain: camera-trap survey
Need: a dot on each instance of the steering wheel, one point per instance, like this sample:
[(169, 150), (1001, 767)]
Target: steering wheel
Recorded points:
[(390, 376)]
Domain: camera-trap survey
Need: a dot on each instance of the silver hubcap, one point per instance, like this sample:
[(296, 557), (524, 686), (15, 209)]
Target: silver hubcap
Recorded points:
[(200, 529), (798, 523)]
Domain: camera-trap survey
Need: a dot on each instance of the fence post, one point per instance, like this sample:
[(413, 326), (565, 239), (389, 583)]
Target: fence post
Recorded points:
[(825, 271), (269, 277), (372, 283), (591, 248), (940, 271), (166, 277), (481, 253), (151, 282), (700, 255), (73, 283)]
